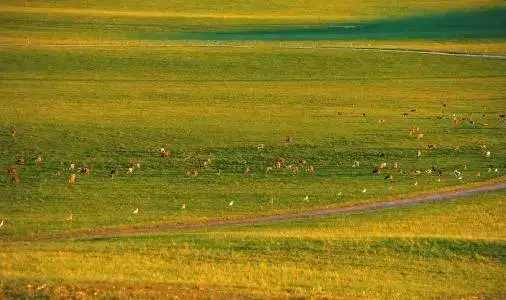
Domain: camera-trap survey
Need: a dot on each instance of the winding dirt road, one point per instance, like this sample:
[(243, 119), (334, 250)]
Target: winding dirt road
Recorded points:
[(497, 185)]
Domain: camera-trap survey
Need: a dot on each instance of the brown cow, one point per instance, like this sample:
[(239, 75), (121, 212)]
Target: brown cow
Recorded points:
[(295, 170), (72, 178), (279, 164), (114, 173), (84, 170), (15, 179), (12, 171), (165, 153)]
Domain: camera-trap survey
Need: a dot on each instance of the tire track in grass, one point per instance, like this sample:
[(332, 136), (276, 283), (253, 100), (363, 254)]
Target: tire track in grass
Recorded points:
[(485, 187)]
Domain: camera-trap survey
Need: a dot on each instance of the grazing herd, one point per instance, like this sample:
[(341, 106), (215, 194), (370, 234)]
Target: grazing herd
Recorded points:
[(300, 166)]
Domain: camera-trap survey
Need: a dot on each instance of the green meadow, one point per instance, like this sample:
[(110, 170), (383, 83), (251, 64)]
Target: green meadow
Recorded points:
[(442, 250), (106, 109), (231, 89)]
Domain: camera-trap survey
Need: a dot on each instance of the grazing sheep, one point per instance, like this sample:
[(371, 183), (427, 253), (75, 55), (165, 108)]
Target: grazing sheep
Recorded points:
[(376, 171), (416, 172), (195, 173), (247, 170), (268, 170), (389, 178), (288, 139), (302, 161), (310, 169), (419, 153), (487, 154), (72, 178), (295, 170), (383, 165), (187, 173), (21, 160), (260, 146), (72, 166), (395, 165), (130, 171), (356, 164), (431, 146), (420, 136), (428, 171), (38, 158)]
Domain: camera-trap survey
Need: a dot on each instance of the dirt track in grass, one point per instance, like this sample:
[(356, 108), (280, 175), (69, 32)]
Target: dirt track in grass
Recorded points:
[(484, 187)]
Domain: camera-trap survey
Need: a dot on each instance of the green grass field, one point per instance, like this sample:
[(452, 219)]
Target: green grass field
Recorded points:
[(106, 109), (450, 250), (106, 84)]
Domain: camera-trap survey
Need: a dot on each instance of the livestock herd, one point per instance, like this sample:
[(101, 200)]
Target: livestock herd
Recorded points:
[(296, 167)]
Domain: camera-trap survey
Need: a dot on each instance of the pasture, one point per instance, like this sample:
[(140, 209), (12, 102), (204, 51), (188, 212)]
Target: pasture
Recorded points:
[(107, 109), (452, 250), (91, 92)]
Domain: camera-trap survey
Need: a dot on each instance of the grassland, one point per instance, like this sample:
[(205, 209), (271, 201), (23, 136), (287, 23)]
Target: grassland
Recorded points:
[(129, 22), (105, 109), (453, 250), (106, 84)]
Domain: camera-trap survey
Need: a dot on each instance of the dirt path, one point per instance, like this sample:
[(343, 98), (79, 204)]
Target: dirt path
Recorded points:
[(117, 232)]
